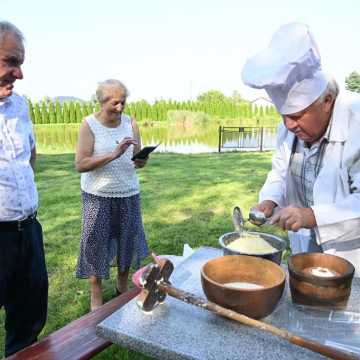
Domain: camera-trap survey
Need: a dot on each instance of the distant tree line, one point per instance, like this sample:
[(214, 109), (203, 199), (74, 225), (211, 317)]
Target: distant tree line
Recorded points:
[(213, 103)]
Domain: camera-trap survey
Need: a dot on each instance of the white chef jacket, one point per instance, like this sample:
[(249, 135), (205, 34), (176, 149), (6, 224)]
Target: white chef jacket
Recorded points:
[(336, 189)]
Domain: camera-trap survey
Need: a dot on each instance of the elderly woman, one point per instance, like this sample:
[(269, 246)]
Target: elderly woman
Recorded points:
[(111, 224)]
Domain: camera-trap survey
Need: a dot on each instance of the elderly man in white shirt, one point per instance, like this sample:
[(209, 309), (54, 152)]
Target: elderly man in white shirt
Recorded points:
[(23, 275), (313, 189)]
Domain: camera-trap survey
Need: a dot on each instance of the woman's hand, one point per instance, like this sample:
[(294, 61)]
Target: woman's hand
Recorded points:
[(294, 218), (140, 163), (122, 147)]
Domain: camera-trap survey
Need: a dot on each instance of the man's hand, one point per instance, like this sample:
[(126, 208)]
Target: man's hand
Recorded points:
[(294, 218), (267, 207)]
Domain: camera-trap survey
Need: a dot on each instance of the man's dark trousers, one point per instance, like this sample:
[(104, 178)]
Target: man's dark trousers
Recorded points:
[(23, 283)]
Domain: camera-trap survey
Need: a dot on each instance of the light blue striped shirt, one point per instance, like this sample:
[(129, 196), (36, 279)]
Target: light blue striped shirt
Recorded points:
[(18, 194)]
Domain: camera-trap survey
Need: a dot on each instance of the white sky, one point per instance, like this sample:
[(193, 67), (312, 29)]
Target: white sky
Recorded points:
[(169, 49)]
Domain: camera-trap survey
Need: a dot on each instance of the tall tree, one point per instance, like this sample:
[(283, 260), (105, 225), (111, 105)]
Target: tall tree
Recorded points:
[(37, 114), (353, 82), (72, 113), (78, 112), (66, 113), (58, 112), (52, 116), (212, 96), (44, 113), (236, 97)]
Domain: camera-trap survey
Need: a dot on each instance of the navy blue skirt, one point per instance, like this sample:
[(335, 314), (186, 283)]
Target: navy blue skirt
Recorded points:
[(111, 227)]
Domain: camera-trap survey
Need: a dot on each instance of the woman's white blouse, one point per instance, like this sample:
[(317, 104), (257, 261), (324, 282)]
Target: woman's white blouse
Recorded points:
[(117, 178)]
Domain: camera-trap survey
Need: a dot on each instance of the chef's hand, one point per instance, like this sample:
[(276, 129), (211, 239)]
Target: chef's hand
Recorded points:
[(267, 207), (140, 163), (294, 218)]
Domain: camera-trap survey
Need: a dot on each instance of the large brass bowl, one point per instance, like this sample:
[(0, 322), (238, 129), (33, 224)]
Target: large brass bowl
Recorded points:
[(309, 289), (255, 303)]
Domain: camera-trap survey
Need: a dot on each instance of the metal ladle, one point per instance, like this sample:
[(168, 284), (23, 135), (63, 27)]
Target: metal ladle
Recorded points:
[(256, 217), (238, 220)]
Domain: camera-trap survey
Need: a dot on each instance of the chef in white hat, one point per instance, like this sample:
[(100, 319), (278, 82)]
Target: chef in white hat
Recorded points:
[(313, 189)]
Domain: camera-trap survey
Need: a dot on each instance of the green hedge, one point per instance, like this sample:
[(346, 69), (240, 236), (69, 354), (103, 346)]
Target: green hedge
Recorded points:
[(52, 112)]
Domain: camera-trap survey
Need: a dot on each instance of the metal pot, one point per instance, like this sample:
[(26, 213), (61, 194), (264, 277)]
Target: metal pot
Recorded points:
[(273, 240)]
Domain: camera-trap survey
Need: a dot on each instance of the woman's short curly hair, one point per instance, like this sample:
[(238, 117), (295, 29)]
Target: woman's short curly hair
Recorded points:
[(100, 93)]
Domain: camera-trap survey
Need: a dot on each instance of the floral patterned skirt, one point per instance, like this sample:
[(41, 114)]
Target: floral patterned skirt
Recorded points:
[(111, 227)]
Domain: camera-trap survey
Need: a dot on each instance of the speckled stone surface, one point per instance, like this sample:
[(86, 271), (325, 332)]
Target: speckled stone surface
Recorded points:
[(175, 330)]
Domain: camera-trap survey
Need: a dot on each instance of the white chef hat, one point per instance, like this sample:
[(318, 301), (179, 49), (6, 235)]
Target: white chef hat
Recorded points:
[(289, 69)]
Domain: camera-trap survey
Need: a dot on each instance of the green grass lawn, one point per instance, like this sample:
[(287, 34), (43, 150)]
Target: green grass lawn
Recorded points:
[(185, 199)]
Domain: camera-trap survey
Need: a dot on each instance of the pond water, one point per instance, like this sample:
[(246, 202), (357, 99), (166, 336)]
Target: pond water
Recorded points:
[(181, 137)]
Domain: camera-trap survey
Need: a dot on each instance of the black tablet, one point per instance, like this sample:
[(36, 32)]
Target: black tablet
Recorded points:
[(144, 152)]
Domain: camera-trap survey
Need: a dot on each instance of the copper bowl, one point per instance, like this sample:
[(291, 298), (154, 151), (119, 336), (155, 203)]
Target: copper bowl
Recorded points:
[(273, 240), (255, 303), (310, 289)]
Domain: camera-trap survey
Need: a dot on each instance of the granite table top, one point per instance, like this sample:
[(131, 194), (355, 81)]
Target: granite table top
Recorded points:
[(175, 330)]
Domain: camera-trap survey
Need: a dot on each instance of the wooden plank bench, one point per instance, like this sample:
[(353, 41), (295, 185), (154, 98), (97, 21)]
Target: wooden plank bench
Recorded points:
[(77, 340)]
